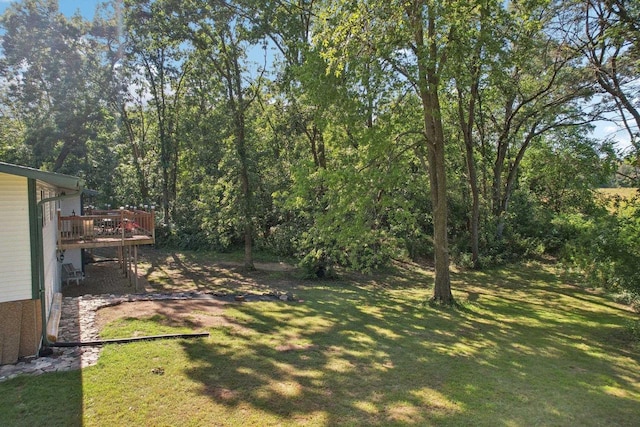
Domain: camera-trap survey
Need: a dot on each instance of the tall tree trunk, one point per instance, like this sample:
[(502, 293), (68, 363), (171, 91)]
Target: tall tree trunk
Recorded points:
[(136, 152), (498, 168), (467, 134), (428, 86), (160, 103), (475, 205), (238, 106), (245, 184), (66, 149), (247, 205), (226, 63), (467, 117), (438, 183)]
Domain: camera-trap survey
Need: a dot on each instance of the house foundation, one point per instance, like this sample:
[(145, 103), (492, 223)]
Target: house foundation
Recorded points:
[(20, 330)]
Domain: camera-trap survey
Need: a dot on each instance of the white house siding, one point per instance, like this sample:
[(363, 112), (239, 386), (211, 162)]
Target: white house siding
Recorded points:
[(71, 206), (49, 237), (15, 248), (73, 256)]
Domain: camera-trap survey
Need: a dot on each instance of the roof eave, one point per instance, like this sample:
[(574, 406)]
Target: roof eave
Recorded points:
[(61, 181)]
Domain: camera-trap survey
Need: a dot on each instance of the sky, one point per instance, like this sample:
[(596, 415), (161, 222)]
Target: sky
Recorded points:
[(87, 8), (609, 130)]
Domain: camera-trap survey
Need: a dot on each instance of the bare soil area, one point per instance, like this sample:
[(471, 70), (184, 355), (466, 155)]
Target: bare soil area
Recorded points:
[(170, 272), (195, 314), (161, 271)]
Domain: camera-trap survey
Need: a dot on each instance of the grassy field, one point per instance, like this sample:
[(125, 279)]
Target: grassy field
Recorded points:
[(617, 199), (525, 348), (623, 192)]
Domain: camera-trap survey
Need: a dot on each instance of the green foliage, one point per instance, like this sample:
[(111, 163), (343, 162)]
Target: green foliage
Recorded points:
[(605, 245), (563, 168), (12, 146), (55, 82), (556, 177), (633, 326), (315, 145), (629, 298)]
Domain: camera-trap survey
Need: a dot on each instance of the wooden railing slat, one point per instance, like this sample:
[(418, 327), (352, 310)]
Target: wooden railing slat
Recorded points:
[(119, 223)]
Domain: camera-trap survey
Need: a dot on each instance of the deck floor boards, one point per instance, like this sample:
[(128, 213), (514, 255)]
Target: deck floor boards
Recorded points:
[(103, 242)]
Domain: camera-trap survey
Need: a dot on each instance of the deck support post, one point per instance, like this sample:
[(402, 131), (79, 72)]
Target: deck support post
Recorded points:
[(121, 260), (135, 266), (127, 263)]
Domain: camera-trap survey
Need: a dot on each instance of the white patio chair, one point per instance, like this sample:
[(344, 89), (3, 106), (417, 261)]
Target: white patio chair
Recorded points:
[(69, 273)]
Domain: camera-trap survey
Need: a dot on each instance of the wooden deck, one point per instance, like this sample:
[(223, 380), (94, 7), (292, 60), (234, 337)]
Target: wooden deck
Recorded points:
[(106, 228)]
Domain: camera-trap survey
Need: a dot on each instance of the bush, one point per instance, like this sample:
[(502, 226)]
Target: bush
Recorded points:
[(316, 264), (626, 297), (165, 237), (365, 252), (282, 240), (633, 327), (605, 245), (419, 246)]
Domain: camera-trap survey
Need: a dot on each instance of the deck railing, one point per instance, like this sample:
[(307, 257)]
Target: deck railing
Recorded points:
[(121, 223)]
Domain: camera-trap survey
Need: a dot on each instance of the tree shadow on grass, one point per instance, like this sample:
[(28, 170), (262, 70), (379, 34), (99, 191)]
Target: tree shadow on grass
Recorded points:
[(179, 272), (325, 367), (380, 357)]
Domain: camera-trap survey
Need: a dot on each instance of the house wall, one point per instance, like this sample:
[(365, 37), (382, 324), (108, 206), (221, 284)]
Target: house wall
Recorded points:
[(70, 206), (15, 244), (20, 315), (73, 256), (52, 268)]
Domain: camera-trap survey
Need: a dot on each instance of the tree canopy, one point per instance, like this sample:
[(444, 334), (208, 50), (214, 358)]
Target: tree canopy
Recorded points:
[(345, 134)]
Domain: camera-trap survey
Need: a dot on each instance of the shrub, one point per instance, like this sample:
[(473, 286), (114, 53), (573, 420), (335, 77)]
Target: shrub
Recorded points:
[(282, 240), (633, 327), (626, 297), (605, 245)]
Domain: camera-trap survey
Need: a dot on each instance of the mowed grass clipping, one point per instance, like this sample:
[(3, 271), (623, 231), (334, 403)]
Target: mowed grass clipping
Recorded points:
[(523, 349)]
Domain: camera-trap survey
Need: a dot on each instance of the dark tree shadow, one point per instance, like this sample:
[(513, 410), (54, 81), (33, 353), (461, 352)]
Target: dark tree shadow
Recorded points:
[(380, 357)]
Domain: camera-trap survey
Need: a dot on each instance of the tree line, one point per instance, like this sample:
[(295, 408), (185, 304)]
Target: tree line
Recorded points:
[(343, 133)]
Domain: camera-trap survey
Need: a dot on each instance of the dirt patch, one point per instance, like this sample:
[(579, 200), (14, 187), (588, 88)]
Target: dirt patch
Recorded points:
[(106, 277), (161, 271), (167, 272), (195, 314)]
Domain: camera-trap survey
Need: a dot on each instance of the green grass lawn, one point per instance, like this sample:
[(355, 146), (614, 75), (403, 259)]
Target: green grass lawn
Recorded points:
[(525, 348)]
